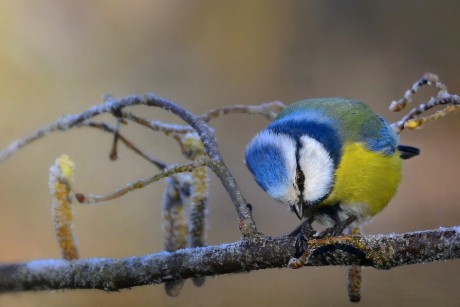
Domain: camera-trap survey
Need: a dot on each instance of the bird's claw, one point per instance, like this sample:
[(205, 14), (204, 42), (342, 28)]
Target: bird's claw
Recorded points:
[(304, 230), (337, 229)]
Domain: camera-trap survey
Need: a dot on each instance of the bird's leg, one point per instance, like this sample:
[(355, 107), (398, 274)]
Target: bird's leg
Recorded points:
[(305, 230), (337, 229), (303, 233), (306, 233)]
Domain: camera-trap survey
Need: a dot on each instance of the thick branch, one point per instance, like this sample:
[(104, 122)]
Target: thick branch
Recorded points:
[(379, 251)]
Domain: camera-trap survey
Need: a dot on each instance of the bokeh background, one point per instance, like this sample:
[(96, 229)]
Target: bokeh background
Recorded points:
[(60, 57)]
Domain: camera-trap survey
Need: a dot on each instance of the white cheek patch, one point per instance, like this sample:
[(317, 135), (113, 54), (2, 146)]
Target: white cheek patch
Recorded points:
[(318, 168), (284, 192)]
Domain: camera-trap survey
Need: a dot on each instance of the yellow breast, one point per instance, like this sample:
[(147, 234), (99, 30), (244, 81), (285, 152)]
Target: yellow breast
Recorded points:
[(364, 180)]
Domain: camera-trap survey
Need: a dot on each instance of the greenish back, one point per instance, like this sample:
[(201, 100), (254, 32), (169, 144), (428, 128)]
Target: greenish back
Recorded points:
[(353, 120)]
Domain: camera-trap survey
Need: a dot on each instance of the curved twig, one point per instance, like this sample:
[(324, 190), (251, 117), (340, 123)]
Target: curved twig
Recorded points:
[(156, 125), (246, 223), (413, 120), (269, 110), (175, 169), (105, 127)]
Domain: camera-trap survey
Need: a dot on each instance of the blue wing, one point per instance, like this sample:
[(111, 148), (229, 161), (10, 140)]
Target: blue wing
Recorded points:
[(381, 139)]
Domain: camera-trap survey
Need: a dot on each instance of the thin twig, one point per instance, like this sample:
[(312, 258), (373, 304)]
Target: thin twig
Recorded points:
[(398, 105), (246, 223), (156, 125), (411, 119), (90, 198), (269, 110), (115, 106), (105, 127), (378, 251)]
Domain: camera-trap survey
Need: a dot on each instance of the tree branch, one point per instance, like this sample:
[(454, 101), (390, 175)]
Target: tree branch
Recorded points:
[(254, 251), (106, 128), (247, 225), (378, 251), (413, 119), (139, 184)]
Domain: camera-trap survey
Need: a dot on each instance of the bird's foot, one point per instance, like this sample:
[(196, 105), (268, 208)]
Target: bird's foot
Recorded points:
[(304, 230), (302, 233), (337, 229)]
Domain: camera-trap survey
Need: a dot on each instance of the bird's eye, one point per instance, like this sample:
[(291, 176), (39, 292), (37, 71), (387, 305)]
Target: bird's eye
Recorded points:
[(300, 179)]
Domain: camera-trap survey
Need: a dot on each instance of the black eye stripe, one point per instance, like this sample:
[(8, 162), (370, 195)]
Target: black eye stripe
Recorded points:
[(299, 176), (300, 179)]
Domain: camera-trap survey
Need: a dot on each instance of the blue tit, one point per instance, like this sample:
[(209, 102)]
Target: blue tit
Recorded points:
[(329, 159)]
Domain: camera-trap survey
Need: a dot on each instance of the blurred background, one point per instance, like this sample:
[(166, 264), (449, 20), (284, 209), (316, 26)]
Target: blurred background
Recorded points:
[(61, 57)]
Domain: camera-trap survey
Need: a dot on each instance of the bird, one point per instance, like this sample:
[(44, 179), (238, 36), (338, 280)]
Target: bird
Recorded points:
[(332, 160)]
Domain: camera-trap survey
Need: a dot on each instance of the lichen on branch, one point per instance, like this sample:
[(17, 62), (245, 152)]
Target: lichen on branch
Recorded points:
[(378, 251)]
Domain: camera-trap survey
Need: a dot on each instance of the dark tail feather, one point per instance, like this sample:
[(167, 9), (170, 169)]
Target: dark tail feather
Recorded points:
[(407, 152)]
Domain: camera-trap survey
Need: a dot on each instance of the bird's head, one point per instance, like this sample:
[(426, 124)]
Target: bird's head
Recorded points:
[(292, 166)]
